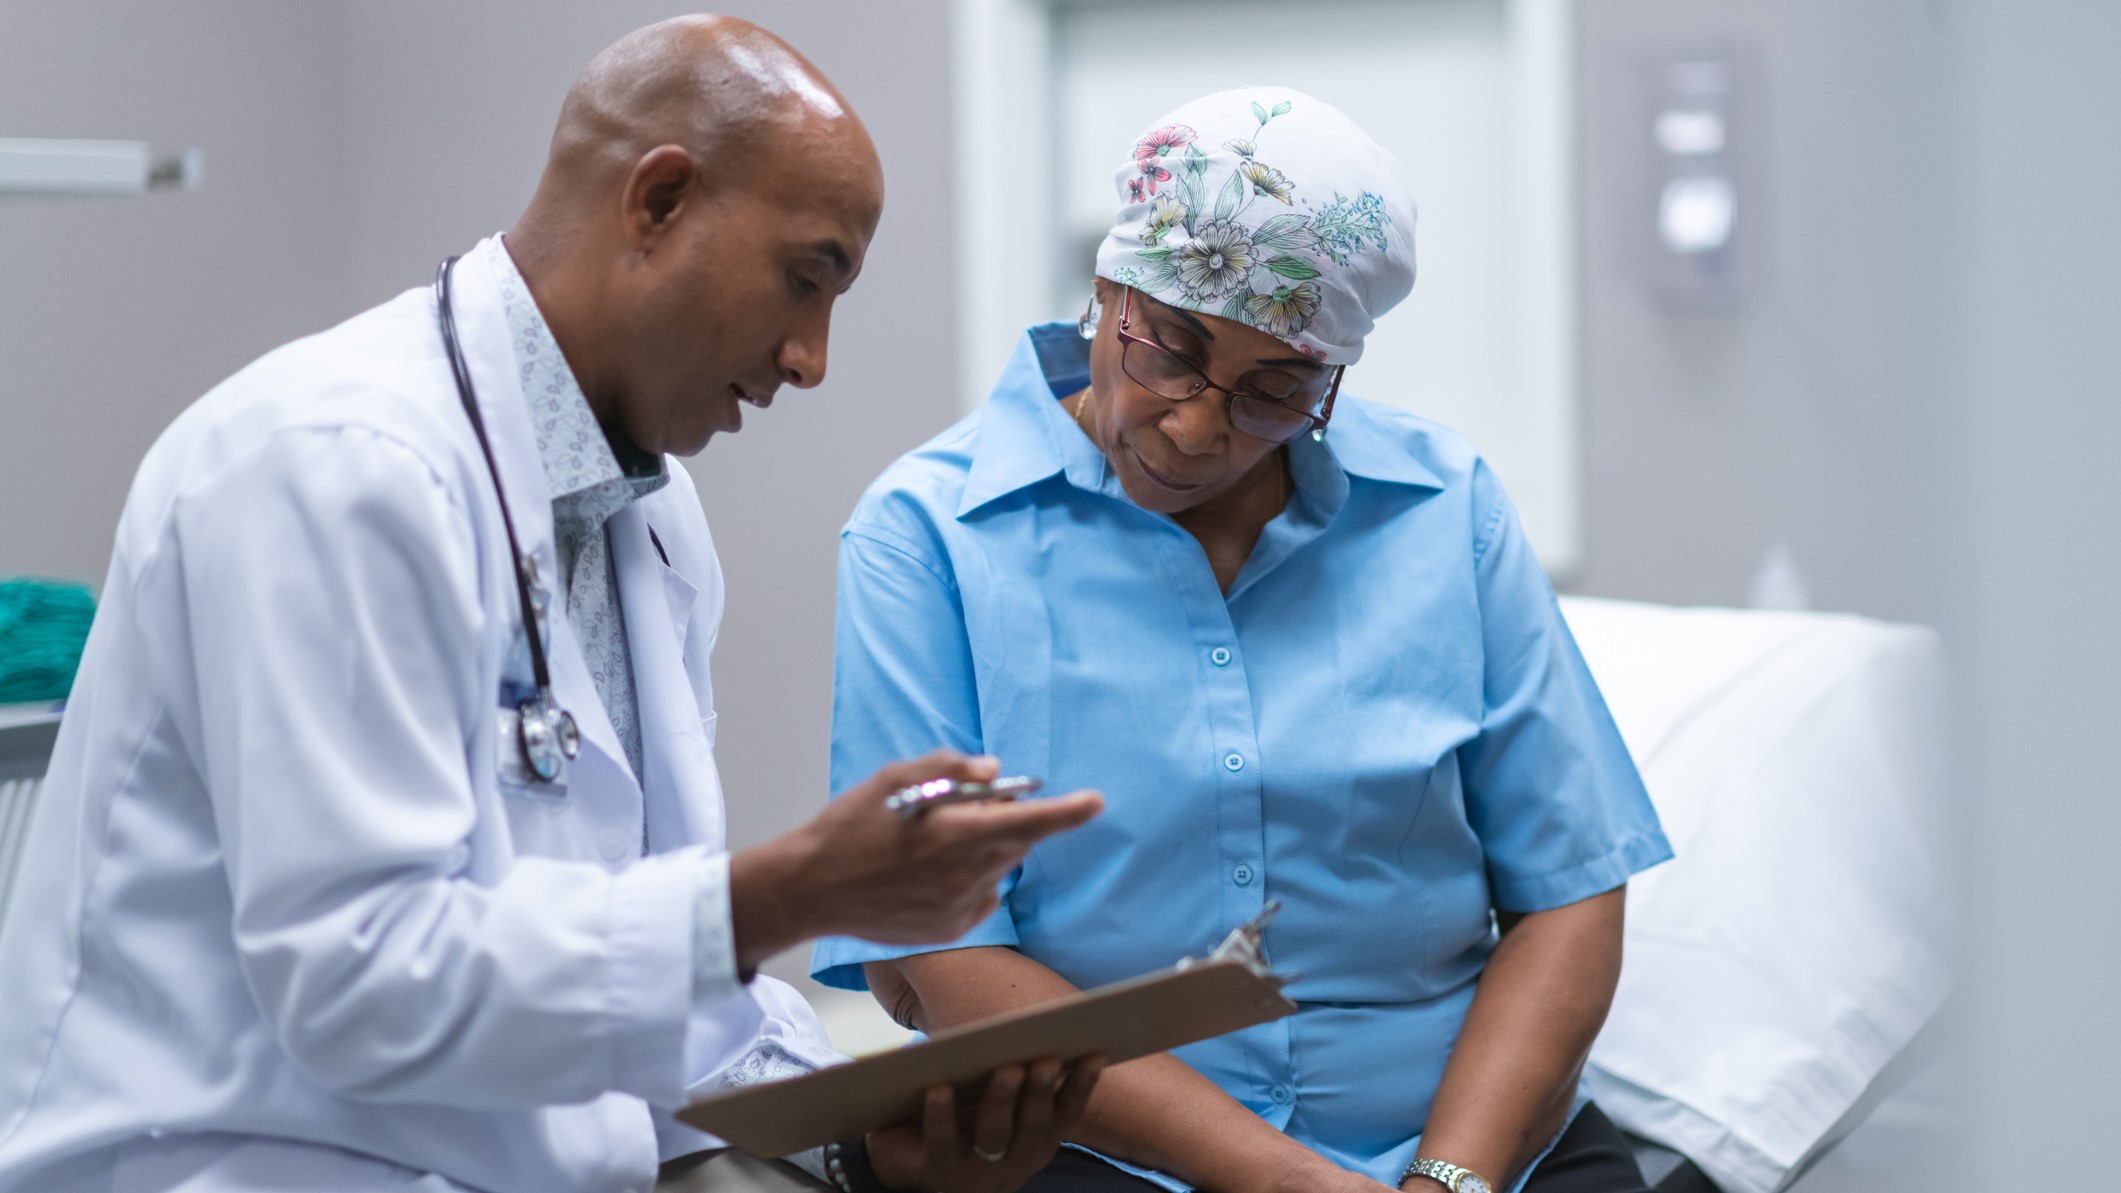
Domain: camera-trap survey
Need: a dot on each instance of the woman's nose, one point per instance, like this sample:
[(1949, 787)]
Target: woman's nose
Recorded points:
[(1196, 426)]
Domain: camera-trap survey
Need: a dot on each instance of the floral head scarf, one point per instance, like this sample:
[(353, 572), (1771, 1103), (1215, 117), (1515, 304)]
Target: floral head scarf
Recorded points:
[(1266, 206)]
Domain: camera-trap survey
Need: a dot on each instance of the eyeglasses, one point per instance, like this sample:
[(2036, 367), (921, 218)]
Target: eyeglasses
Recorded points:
[(1276, 417)]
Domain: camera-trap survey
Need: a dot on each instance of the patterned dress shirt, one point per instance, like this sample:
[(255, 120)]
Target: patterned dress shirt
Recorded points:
[(589, 484)]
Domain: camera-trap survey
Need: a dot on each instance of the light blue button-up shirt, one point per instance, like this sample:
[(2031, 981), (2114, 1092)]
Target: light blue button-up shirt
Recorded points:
[(1385, 724)]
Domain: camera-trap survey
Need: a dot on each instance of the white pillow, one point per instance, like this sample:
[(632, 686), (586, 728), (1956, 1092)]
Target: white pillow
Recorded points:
[(1800, 938)]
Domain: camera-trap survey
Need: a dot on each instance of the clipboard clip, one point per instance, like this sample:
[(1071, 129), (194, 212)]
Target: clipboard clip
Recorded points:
[(1246, 945)]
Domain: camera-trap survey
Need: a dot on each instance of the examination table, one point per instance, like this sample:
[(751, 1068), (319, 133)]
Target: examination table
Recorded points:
[(1780, 970)]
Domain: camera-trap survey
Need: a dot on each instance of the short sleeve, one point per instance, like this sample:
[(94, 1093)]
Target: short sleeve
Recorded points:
[(1551, 791), (902, 685)]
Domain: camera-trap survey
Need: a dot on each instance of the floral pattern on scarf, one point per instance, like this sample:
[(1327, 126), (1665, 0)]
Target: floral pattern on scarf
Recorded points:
[(1204, 243)]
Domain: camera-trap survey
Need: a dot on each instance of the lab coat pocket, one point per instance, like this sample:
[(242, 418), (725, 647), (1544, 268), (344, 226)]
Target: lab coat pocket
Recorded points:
[(680, 595), (513, 771)]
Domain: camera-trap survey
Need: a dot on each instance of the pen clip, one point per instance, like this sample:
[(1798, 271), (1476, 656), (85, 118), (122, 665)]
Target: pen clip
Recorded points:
[(910, 802), (1246, 944)]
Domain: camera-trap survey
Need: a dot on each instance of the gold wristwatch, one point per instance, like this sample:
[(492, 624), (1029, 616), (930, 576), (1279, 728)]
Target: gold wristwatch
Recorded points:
[(1454, 1178)]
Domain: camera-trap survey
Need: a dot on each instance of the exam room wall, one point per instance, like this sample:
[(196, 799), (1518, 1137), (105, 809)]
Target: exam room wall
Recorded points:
[(117, 313), (452, 105), (1922, 403), (1810, 415)]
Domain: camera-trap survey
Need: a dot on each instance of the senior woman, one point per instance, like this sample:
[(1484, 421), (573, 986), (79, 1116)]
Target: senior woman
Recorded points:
[(1319, 668)]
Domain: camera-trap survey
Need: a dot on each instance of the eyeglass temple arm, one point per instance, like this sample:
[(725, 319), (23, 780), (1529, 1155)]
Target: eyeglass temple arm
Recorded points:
[(1326, 415)]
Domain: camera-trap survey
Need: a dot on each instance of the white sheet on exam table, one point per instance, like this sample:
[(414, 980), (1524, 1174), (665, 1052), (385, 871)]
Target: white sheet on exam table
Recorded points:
[(1799, 940)]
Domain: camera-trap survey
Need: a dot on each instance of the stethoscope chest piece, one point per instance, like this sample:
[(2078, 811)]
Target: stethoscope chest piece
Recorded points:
[(548, 736)]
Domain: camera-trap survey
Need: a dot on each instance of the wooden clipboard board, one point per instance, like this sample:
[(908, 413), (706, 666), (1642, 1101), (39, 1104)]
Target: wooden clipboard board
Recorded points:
[(1200, 997)]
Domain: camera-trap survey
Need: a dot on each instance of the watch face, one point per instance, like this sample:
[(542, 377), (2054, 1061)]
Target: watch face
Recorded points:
[(1471, 1184)]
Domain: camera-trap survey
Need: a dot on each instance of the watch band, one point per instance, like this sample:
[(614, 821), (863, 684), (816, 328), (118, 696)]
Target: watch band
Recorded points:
[(1454, 1178), (847, 1163)]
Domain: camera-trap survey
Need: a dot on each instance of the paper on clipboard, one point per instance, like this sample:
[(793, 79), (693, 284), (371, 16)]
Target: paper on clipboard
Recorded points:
[(1200, 997)]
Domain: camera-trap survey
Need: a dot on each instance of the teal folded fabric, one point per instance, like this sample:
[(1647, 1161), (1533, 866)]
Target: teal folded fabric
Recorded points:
[(43, 626)]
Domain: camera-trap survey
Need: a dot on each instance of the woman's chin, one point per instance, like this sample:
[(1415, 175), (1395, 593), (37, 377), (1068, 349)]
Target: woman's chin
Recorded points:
[(1153, 491), (1156, 498)]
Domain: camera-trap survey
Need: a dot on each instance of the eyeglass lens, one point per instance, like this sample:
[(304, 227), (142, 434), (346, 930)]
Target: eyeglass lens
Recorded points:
[(1168, 376)]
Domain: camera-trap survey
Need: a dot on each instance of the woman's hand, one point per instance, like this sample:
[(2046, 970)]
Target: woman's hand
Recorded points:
[(1021, 1118)]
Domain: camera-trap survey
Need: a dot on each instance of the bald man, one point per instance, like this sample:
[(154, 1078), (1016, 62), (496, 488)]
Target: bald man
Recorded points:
[(344, 878)]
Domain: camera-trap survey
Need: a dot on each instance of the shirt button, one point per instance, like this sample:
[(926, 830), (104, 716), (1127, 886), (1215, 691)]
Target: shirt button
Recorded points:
[(1242, 875), (1234, 762), (1280, 1094), (614, 845), (1220, 656)]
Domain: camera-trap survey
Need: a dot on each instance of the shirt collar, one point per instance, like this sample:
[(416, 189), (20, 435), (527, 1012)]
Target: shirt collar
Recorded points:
[(1362, 445), (573, 449), (1026, 435)]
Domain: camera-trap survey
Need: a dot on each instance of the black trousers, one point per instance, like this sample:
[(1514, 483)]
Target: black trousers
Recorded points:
[(1590, 1157)]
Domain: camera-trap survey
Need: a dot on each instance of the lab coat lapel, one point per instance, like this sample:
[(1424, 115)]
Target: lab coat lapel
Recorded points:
[(683, 793), (482, 328)]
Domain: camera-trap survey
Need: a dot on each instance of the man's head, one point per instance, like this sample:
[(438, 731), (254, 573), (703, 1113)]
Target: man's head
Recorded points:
[(708, 196)]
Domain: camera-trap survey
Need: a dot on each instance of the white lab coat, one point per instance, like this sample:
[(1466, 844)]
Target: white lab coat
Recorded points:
[(281, 923)]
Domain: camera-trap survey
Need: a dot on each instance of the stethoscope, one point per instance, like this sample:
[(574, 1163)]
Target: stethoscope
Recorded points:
[(545, 732)]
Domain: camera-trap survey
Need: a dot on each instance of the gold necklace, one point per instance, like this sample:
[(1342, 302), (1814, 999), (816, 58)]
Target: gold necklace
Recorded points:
[(1080, 399)]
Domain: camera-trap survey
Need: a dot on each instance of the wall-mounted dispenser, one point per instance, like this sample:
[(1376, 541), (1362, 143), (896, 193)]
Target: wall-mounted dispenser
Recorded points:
[(1701, 227)]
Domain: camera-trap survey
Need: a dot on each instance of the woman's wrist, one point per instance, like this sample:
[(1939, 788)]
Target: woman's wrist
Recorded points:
[(1294, 1169), (1432, 1171)]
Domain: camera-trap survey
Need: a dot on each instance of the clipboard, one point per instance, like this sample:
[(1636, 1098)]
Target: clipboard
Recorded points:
[(1232, 987)]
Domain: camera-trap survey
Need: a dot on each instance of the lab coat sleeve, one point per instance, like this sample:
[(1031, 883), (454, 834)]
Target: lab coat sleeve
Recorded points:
[(714, 968), (332, 602), (789, 1042), (725, 1019)]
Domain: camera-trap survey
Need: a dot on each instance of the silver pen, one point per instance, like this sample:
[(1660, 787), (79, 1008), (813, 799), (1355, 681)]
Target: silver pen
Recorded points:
[(910, 802)]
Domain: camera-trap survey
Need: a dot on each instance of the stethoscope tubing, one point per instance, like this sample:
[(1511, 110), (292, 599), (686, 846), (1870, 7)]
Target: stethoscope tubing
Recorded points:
[(540, 673)]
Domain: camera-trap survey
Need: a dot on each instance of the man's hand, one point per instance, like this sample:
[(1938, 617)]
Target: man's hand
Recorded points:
[(997, 1147), (858, 869)]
